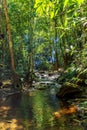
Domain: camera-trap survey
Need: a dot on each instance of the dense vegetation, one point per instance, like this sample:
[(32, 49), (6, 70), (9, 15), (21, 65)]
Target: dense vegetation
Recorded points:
[(43, 64), (43, 35)]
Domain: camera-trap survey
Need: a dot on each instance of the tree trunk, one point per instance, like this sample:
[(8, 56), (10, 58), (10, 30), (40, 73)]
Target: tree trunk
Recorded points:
[(9, 35), (56, 37)]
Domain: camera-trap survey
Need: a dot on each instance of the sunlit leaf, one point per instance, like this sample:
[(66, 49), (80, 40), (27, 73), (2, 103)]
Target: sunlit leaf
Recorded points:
[(80, 1), (65, 3), (52, 14)]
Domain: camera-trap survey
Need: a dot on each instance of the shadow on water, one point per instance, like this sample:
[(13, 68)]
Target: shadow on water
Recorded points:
[(35, 111)]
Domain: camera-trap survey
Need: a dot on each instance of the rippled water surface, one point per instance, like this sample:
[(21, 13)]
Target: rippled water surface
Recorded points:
[(35, 111)]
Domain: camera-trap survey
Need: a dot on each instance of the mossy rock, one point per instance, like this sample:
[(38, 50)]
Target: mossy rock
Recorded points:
[(69, 90)]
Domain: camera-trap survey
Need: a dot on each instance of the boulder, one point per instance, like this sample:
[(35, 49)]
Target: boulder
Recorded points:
[(69, 90)]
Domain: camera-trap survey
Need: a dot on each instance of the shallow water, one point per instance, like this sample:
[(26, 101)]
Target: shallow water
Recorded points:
[(35, 111)]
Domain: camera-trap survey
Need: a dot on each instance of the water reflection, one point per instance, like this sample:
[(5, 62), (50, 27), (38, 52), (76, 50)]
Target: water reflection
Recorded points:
[(14, 100), (42, 111), (36, 111), (53, 100)]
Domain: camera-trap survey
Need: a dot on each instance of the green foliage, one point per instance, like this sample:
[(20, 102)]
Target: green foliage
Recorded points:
[(33, 30), (45, 65), (83, 104), (84, 56)]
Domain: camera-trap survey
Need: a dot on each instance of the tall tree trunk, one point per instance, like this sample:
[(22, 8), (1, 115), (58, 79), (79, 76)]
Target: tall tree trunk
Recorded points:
[(9, 35), (83, 30), (56, 37)]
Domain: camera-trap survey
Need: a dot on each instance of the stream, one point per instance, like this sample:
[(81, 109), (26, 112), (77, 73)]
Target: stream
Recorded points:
[(35, 110)]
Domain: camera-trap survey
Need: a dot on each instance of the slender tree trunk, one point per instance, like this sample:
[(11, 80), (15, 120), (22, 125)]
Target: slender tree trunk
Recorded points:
[(9, 35), (56, 37), (83, 30)]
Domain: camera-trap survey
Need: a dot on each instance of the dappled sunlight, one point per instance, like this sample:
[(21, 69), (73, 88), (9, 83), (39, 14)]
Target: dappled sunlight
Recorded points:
[(6, 82), (10, 125), (4, 108), (6, 123), (4, 111), (43, 64), (69, 110), (34, 110)]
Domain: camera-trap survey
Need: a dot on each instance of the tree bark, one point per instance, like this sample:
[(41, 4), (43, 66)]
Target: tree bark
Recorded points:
[(9, 35), (56, 52)]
